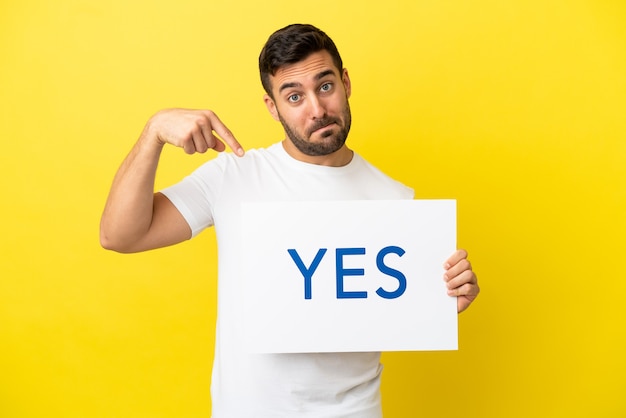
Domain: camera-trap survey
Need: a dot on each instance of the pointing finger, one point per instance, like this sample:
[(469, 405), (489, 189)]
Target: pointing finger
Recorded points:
[(225, 134)]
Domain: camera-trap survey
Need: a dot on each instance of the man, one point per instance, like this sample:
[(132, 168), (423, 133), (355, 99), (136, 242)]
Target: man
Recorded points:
[(307, 90)]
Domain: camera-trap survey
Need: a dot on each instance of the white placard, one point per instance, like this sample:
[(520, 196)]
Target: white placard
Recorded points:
[(348, 276)]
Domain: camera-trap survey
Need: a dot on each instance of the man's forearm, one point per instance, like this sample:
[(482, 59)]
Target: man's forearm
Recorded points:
[(128, 211)]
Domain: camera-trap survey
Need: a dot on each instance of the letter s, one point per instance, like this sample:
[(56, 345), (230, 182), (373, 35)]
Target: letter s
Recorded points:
[(391, 272)]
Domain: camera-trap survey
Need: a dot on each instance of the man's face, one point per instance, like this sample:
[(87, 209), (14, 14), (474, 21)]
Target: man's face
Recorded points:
[(311, 102)]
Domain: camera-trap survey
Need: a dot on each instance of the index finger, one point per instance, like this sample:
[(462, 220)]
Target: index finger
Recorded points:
[(455, 258), (218, 126)]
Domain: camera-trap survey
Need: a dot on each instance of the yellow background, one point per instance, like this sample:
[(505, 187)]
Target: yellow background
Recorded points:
[(515, 108)]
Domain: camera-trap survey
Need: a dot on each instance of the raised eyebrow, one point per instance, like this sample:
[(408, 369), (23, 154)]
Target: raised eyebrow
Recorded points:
[(318, 76), (288, 86), (323, 74)]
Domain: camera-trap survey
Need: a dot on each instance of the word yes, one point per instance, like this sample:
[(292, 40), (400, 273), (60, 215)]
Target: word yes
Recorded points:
[(341, 272)]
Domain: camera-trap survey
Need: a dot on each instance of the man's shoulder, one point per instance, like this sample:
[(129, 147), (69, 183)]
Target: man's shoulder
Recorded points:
[(252, 156), (253, 153), (383, 180)]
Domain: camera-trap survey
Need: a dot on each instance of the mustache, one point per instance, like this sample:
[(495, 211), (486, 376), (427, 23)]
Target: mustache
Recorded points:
[(320, 123)]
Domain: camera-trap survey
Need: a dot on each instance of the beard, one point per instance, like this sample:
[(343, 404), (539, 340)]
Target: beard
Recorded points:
[(330, 142)]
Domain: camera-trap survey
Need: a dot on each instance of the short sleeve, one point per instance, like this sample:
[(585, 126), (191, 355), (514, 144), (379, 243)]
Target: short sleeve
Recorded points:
[(195, 195)]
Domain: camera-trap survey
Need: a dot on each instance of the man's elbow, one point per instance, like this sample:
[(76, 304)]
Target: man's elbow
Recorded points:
[(109, 243)]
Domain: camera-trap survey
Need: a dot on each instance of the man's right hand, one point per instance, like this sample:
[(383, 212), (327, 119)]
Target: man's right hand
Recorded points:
[(192, 130)]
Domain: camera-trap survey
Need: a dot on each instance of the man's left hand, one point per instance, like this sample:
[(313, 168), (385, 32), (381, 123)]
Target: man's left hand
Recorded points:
[(461, 280)]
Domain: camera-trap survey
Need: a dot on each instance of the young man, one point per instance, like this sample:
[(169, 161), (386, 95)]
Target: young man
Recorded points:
[(307, 91)]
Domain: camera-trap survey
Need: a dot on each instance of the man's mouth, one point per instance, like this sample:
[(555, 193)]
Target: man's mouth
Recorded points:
[(325, 126), (322, 125)]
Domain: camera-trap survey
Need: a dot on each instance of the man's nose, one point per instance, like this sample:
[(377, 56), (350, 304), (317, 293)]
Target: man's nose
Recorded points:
[(317, 109)]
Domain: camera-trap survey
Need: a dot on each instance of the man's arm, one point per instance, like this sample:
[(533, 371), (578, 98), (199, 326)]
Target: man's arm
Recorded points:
[(137, 219)]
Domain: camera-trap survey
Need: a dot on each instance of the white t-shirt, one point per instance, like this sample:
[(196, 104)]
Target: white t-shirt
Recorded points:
[(278, 385)]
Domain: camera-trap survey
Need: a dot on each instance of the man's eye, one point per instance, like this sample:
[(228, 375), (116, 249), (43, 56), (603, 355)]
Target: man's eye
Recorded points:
[(326, 87), (293, 98)]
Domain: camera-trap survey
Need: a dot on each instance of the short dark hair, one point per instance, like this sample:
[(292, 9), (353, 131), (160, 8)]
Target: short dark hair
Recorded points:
[(292, 44)]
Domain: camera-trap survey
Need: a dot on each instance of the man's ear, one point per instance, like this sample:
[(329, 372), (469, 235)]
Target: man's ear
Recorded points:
[(271, 106), (346, 83)]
